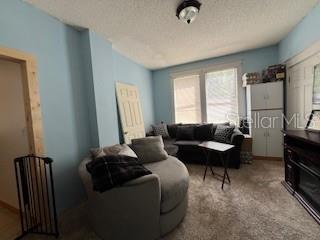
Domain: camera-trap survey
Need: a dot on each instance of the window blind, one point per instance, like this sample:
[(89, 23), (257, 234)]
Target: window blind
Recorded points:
[(187, 99), (221, 96)]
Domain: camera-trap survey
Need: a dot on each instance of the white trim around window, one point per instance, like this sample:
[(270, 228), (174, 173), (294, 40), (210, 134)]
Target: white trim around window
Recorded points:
[(202, 72)]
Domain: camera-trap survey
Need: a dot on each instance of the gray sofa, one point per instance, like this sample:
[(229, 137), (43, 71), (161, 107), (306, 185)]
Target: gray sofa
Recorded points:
[(188, 150), (144, 208)]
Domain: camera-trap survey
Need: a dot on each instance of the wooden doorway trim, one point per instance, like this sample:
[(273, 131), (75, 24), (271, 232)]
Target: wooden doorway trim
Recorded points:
[(31, 97)]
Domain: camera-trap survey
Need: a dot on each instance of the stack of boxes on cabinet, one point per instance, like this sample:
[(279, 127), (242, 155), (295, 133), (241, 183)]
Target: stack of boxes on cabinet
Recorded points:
[(264, 114), (271, 74)]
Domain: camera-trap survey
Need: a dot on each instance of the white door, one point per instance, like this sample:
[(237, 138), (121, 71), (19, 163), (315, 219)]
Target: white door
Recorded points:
[(299, 91), (274, 134), (274, 95), (130, 112), (294, 108), (258, 96), (258, 132)]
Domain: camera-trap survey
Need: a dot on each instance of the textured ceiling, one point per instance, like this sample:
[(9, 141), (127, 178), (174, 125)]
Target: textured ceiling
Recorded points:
[(148, 32)]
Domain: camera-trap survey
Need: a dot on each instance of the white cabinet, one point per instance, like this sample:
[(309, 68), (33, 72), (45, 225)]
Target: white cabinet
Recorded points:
[(259, 140), (265, 107), (266, 96), (258, 96), (266, 133), (274, 96), (274, 135)]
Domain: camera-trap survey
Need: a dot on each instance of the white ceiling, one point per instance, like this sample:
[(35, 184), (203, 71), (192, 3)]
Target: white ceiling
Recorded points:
[(148, 32)]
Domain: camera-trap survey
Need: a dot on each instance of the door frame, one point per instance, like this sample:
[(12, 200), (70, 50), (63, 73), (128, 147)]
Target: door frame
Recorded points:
[(31, 97)]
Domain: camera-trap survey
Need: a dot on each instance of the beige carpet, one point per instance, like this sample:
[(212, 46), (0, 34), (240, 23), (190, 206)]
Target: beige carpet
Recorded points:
[(255, 206)]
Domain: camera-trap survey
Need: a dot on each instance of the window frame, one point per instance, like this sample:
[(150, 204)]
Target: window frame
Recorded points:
[(182, 74), (202, 73)]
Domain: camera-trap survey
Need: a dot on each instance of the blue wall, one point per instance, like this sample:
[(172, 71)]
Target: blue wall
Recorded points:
[(252, 61), (57, 49), (129, 72), (104, 90), (302, 36), (88, 75), (77, 72), (108, 67)]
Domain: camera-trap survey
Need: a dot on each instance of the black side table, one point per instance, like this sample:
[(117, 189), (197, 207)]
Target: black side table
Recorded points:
[(223, 151)]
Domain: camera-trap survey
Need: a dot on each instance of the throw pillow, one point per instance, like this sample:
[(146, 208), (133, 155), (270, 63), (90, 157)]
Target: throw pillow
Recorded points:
[(204, 132), (223, 133), (172, 129), (216, 124), (118, 149), (149, 149), (185, 133), (114, 170), (160, 130)]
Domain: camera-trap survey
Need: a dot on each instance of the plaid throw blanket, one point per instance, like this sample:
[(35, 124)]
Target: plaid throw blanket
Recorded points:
[(111, 171)]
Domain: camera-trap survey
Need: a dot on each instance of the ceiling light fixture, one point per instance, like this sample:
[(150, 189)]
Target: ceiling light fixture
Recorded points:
[(188, 10)]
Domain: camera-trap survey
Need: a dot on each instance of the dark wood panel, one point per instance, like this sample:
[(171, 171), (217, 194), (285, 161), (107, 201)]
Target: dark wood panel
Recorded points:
[(309, 137), (302, 158)]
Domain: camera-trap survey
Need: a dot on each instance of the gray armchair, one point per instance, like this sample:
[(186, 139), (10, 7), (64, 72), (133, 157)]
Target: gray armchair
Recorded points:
[(133, 210)]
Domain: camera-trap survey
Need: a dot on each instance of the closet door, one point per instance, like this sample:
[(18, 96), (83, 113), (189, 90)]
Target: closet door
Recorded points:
[(274, 134), (299, 92), (258, 96), (274, 95), (259, 140), (294, 96)]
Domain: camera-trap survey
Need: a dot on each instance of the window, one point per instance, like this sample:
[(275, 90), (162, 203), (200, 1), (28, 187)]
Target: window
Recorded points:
[(207, 96), (221, 96), (187, 99)]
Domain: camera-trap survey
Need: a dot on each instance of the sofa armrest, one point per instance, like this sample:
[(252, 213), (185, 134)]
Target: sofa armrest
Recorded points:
[(237, 138)]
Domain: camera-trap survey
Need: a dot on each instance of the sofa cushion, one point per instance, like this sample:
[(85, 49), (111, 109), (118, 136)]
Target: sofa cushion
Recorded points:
[(160, 130), (149, 149), (187, 143), (223, 133), (203, 132), (185, 132), (170, 147), (174, 180), (214, 127), (172, 129)]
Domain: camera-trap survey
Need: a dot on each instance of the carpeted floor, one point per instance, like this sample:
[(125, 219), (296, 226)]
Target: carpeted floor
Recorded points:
[(255, 206)]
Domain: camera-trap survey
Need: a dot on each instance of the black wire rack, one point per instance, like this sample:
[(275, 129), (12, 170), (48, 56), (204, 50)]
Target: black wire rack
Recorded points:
[(36, 196)]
